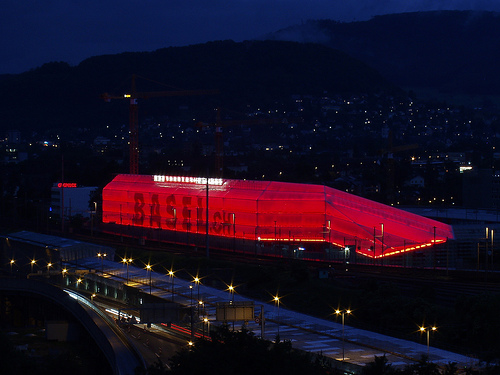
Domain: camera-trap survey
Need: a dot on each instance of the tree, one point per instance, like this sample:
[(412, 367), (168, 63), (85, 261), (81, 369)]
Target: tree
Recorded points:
[(379, 366), (242, 353), (423, 367), (450, 368)]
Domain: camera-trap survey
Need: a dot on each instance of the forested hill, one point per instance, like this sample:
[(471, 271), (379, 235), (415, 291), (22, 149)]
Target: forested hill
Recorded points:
[(449, 51), (57, 95)]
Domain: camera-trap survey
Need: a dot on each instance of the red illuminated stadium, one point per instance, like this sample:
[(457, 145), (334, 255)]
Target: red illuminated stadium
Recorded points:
[(266, 212)]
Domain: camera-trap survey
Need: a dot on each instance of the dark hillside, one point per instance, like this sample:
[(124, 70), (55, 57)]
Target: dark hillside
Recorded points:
[(450, 51), (58, 96)]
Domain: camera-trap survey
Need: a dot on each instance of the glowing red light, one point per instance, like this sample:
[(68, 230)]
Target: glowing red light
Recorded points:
[(268, 211), (67, 185)]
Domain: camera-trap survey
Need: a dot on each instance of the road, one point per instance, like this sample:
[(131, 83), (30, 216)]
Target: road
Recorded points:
[(154, 343)]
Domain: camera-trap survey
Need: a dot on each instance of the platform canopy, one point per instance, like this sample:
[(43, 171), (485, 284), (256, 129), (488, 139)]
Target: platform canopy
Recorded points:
[(268, 211)]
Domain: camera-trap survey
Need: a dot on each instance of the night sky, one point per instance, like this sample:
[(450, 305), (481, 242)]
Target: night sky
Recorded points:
[(34, 32)]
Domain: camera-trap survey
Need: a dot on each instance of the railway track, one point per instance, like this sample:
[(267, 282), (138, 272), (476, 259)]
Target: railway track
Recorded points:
[(444, 286)]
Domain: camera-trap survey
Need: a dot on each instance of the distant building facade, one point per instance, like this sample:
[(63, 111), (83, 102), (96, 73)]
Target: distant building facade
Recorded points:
[(481, 189), (71, 199)]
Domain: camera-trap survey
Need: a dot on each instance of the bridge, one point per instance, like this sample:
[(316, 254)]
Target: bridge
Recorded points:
[(120, 353)]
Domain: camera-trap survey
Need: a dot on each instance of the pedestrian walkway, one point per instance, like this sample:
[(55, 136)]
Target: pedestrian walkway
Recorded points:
[(308, 333)]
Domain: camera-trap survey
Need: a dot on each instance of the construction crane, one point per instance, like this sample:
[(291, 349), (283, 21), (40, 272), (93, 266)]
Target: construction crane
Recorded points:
[(133, 114), (219, 124)]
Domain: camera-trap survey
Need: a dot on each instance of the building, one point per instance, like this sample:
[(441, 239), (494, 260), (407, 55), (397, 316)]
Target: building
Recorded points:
[(36, 250), (72, 199), (481, 189), (417, 181), (286, 216)]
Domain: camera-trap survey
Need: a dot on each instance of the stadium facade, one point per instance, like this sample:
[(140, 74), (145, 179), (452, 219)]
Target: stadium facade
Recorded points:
[(266, 212)]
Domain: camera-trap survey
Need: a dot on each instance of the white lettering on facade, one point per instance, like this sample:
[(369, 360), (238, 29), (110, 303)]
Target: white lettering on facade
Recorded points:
[(188, 180)]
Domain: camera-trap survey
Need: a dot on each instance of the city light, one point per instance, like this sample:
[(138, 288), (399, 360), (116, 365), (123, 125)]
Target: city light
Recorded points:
[(171, 273), (428, 330), (276, 300), (343, 313)]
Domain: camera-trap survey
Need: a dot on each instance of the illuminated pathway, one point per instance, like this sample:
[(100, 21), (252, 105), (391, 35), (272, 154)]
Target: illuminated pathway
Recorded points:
[(305, 332)]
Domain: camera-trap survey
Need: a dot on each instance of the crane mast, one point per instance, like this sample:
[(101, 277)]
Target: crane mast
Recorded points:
[(134, 118)]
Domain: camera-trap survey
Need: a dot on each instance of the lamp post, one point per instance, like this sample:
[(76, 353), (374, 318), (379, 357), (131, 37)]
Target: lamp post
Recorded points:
[(205, 321), (197, 282), (201, 308), (276, 299), (92, 213), (428, 330), (102, 256), (234, 233), (48, 268), (492, 249), (148, 267), (12, 261), (171, 274), (275, 239), (434, 248), (188, 226), (382, 243), (192, 323), (374, 244), (342, 313), (347, 254), (127, 261), (329, 238), (231, 297), (32, 263)]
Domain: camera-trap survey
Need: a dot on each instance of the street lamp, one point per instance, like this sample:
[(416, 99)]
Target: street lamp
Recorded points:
[(234, 233), (171, 274), (127, 261), (197, 281), (205, 321), (148, 267), (276, 299), (102, 256), (231, 293), (64, 271), (428, 330), (382, 244), (492, 249), (201, 308), (92, 213), (48, 267), (12, 261), (191, 305), (33, 261), (343, 312)]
